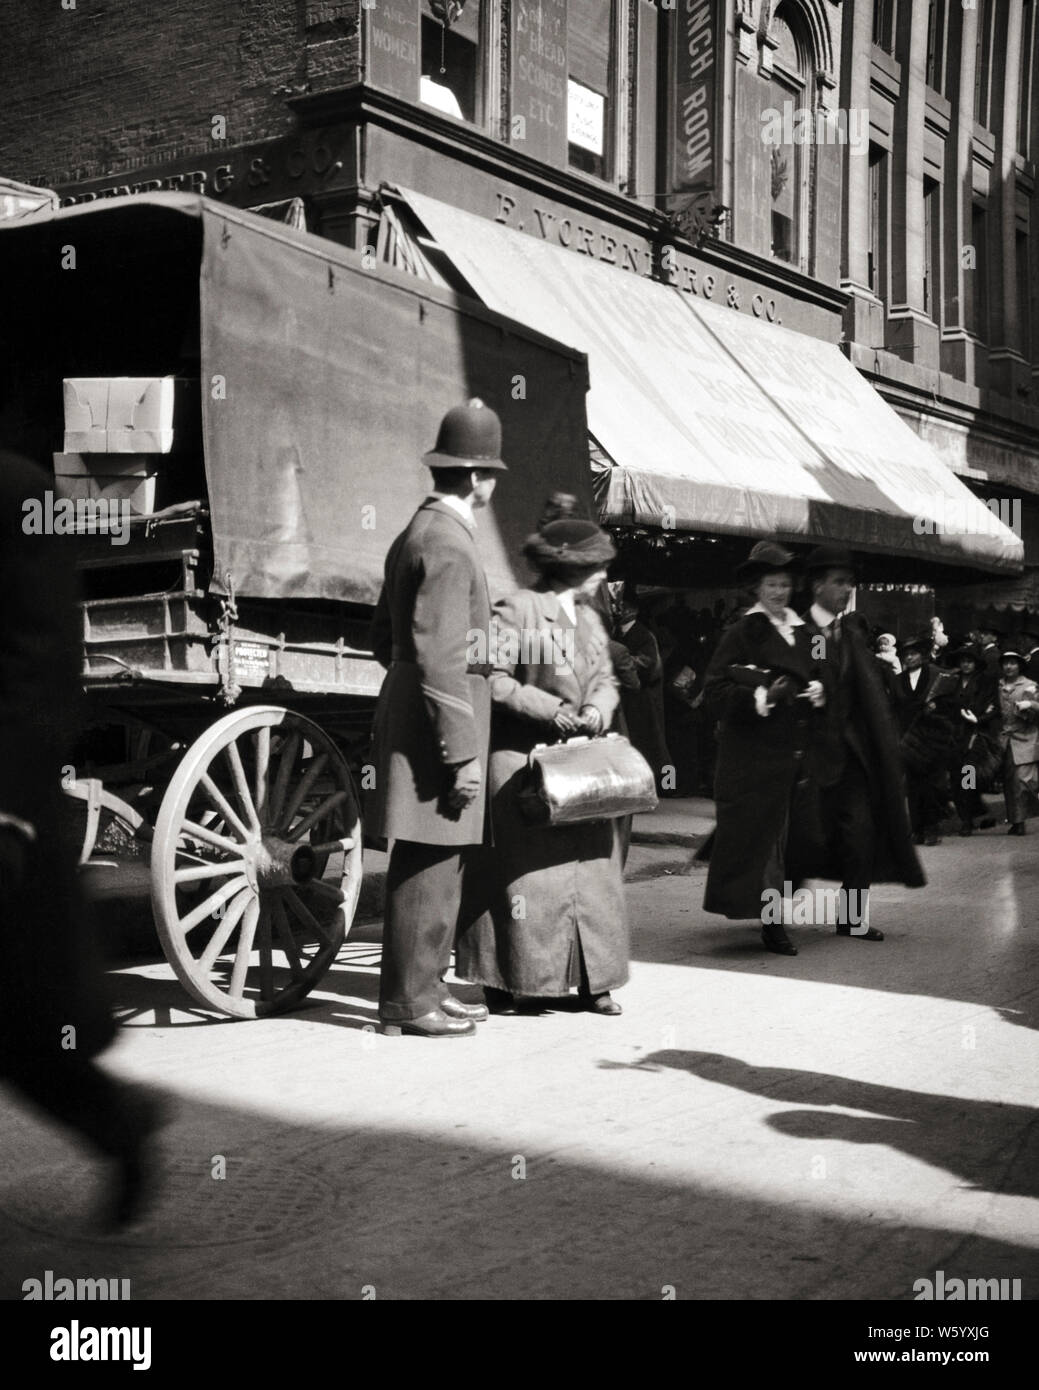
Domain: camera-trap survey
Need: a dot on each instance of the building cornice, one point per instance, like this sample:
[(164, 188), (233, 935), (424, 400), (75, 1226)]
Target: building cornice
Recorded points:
[(454, 139)]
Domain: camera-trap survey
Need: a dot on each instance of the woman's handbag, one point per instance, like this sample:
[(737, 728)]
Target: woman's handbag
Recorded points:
[(586, 779)]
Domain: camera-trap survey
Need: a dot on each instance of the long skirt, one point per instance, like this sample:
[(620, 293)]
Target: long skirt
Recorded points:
[(550, 898)]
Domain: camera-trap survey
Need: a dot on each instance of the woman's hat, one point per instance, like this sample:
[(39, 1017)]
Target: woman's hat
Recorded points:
[(1013, 649), (469, 437), (766, 558), (570, 544), (970, 649)]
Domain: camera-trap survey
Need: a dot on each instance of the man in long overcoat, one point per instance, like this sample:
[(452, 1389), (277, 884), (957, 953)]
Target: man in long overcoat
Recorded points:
[(54, 1020), (432, 726), (928, 735), (644, 706), (859, 830)]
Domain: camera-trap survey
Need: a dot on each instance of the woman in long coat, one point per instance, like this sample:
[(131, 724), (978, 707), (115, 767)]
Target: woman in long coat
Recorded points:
[(762, 689), (557, 916)]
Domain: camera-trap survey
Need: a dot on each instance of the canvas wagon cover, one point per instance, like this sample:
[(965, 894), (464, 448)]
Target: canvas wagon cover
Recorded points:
[(322, 379)]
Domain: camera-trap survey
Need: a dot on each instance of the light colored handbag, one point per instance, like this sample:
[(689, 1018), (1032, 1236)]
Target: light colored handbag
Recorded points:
[(586, 779)]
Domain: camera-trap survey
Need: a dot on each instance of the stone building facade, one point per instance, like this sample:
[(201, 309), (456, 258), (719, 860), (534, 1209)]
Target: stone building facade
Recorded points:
[(862, 172)]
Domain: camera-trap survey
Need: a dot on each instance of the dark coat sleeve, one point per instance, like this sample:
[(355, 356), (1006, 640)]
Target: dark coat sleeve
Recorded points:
[(624, 667), (645, 653), (734, 675)]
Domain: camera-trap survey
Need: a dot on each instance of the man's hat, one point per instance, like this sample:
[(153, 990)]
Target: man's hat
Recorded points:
[(765, 558), (469, 437), (830, 557), (919, 642)]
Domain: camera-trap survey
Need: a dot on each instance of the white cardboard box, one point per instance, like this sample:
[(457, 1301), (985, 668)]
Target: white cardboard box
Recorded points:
[(119, 415), (122, 477)]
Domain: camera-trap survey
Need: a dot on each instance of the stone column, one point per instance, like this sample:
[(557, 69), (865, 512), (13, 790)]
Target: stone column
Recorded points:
[(961, 354), (864, 316), (909, 331), (1008, 369)]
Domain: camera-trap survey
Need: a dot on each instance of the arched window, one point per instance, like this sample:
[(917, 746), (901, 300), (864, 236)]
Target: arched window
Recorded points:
[(791, 157)]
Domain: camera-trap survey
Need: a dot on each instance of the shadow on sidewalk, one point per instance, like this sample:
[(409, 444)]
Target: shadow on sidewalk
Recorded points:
[(318, 1212), (993, 1147)]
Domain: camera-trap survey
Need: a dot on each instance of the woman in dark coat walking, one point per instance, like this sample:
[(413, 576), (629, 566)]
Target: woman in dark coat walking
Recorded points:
[(762, 689), (557, 916)]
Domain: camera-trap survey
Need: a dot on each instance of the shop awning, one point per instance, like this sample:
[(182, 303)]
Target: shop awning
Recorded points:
[(713, 420)]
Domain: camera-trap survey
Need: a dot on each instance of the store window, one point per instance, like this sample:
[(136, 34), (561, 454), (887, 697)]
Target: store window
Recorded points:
[(979, 273), (452, 66), (936, 29), (791, 163), (877, 256), (983, 63), (1024, 296), (590, 106), (1026, 90), (932, 248), (885, 19)]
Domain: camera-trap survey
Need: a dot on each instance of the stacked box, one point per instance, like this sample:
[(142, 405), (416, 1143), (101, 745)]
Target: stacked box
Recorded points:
[(107, 477)]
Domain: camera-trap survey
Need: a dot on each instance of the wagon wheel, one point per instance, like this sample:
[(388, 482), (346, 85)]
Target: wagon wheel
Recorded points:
[(256, 862)]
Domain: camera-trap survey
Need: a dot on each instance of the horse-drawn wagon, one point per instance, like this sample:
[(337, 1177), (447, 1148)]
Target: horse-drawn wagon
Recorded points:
[(229, 580)]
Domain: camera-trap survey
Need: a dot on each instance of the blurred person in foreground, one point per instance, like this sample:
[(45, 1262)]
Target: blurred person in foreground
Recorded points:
[(54, 1021)]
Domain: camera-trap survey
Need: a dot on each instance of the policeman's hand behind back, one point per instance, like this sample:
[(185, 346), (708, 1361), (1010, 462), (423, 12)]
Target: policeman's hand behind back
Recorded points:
[(466, 788)]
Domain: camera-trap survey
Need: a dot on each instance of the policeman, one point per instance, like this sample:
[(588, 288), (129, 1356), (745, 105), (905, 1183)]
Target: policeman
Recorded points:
[(432, 726)]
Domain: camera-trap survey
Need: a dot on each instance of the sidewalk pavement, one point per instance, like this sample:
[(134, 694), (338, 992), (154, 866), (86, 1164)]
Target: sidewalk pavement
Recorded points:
[(678, 820), (837, 1125)]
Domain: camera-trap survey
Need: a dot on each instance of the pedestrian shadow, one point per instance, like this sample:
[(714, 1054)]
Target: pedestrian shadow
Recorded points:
[(366, 1207), (991, 1146)]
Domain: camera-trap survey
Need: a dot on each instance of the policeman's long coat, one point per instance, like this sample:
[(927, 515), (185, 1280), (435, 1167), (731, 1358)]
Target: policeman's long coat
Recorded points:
[(549, 891), (433, 711), (760, 758)]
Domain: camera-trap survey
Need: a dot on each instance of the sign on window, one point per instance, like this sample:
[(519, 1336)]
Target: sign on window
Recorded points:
[(586, 117)]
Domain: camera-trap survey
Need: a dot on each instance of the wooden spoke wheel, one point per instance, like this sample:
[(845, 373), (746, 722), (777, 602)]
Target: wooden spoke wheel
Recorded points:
[(256, 862)]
